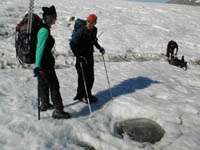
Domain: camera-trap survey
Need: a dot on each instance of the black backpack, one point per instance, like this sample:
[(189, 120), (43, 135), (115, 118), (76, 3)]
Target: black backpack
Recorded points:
[(25, 43), (178, 62)]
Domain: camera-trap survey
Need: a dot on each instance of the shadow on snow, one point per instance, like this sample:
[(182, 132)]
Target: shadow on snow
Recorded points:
[(126, 87)]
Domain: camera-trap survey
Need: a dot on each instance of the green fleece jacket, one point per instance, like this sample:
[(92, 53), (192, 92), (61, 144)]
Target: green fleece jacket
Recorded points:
[(42, 37)]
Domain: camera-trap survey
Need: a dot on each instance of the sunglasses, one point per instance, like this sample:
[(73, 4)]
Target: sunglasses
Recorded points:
[(90, 22)]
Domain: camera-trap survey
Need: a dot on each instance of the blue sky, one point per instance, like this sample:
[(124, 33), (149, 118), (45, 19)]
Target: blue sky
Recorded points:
[(162, 1)]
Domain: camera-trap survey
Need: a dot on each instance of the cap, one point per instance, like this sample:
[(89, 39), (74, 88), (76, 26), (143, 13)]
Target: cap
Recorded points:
[(92, 17)]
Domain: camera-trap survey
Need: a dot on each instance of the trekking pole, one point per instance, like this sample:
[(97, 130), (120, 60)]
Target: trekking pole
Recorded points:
[(107, 76), (38, 102), (100, 34), (81, 65), (38, 108), (29, 79)]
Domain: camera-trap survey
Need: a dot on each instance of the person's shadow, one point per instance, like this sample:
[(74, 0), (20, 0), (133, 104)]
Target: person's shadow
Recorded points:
[(126, 87)]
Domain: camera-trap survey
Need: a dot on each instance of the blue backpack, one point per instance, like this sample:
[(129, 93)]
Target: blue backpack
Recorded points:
[(78, 24)]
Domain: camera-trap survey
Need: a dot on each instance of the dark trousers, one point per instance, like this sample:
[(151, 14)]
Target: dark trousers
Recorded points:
[(170, 53), (48, 83), (88, 69)]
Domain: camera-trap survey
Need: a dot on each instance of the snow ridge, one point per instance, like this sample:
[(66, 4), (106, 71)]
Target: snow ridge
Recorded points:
[(64, 60)]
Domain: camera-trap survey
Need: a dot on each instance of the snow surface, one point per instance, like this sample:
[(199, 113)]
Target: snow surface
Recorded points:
[(143, 84)]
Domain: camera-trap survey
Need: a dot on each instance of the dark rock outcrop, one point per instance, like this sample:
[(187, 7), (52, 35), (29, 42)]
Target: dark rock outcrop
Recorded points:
[(185, 2)]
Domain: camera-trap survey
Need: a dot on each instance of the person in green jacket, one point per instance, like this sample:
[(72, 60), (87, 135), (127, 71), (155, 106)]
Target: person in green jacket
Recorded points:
[(44, 67)]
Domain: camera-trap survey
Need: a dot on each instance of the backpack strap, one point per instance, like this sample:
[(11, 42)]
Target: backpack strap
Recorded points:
[(46, 26)]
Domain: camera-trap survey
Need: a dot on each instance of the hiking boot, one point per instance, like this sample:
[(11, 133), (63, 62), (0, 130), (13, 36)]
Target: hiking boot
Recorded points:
[(76, 97), (60, 114), (93, 99), (46, 107), (82, 99)]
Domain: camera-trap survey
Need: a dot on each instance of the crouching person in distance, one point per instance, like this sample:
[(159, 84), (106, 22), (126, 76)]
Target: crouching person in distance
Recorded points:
[(44, 67), (82, 45), (171, 46)]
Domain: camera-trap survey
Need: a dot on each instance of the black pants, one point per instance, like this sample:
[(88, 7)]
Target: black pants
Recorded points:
[(88, 69), (170, 53), (48, 83)]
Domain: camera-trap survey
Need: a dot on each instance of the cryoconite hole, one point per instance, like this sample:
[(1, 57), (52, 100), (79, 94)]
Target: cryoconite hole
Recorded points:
[(140, 130)]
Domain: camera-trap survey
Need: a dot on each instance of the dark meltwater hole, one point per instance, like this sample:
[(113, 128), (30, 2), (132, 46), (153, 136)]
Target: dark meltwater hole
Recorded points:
[(140, 129)]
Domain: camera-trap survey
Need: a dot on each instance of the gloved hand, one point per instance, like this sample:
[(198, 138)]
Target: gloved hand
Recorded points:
[(102, 50), (36, 71)]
